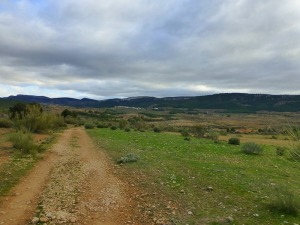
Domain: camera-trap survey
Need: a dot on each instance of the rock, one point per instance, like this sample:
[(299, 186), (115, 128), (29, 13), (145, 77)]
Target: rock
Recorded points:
[(160, 221), (49, 215), (209, 188), (190, 213), (229, 219), (73, 220), (44, 219), (62, 216), (35, 220)]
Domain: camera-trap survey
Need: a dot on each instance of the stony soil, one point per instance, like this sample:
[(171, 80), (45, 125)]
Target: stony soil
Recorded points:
[(73, 184)]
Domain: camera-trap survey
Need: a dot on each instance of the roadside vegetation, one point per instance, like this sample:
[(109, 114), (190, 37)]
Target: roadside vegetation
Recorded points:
[(26, 131)]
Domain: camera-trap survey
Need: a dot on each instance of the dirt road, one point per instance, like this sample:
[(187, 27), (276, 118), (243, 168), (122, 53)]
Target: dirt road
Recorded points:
[(73, 184)]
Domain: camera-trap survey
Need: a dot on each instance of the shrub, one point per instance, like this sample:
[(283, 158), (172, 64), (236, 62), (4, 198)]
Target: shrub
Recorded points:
[(285, 201), (131, 157), (23, 141), (89, 126), (67, 113), (102, 126), (252, 148), (33, 119), (185, 133), (187, 138), (70, 120), (127, 129), (234, 141), (212, 135), (199, 131), (156, 130), (113, 127), (6, 123), (122, 124), (280, 150)]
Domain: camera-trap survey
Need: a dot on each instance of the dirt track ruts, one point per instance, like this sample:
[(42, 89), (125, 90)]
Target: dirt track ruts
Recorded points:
[(72, 184)]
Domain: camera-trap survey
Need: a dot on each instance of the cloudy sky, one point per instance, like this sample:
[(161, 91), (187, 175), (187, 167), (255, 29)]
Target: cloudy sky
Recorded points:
[(123, 48)]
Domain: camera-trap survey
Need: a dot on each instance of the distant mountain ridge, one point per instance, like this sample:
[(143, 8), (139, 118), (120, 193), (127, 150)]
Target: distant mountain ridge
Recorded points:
[(231, 102)]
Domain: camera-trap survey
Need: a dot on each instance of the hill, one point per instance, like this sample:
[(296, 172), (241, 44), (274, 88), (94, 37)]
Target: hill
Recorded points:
[(229, 102)]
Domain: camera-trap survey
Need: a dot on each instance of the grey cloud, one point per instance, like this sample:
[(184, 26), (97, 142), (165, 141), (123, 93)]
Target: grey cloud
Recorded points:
[(128, 48)]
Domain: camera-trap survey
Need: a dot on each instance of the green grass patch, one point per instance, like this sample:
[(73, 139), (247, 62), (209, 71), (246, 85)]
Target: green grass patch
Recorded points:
[(13, 170), (19, 164), (182, 172)]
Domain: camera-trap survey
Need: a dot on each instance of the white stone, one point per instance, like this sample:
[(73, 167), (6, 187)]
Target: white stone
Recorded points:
[(35, 220)]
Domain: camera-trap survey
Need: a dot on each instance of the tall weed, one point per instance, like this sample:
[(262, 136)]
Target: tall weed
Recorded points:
[(252, 148), (294, 148), (39, 122), (23, 141), (295, 152), (285, 201)]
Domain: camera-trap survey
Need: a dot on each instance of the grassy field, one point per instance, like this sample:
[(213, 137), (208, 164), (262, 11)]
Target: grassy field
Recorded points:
[(200, 181)]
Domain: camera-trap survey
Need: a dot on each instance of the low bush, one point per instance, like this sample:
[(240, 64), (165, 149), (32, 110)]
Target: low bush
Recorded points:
[(156, 130), (185, 132), (212, 135), (128, 158), (74, 121), (234, 141), (127, 129), (199, 131), (285, 201), (39, 122), (89, 126), (280, 150), (113, 127), (187, 138), (6, 123), (102, 126), (122, 124), (23, 141), (252, 148)]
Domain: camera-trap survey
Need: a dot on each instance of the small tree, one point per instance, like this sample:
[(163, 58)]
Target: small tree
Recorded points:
[(67, 112)]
